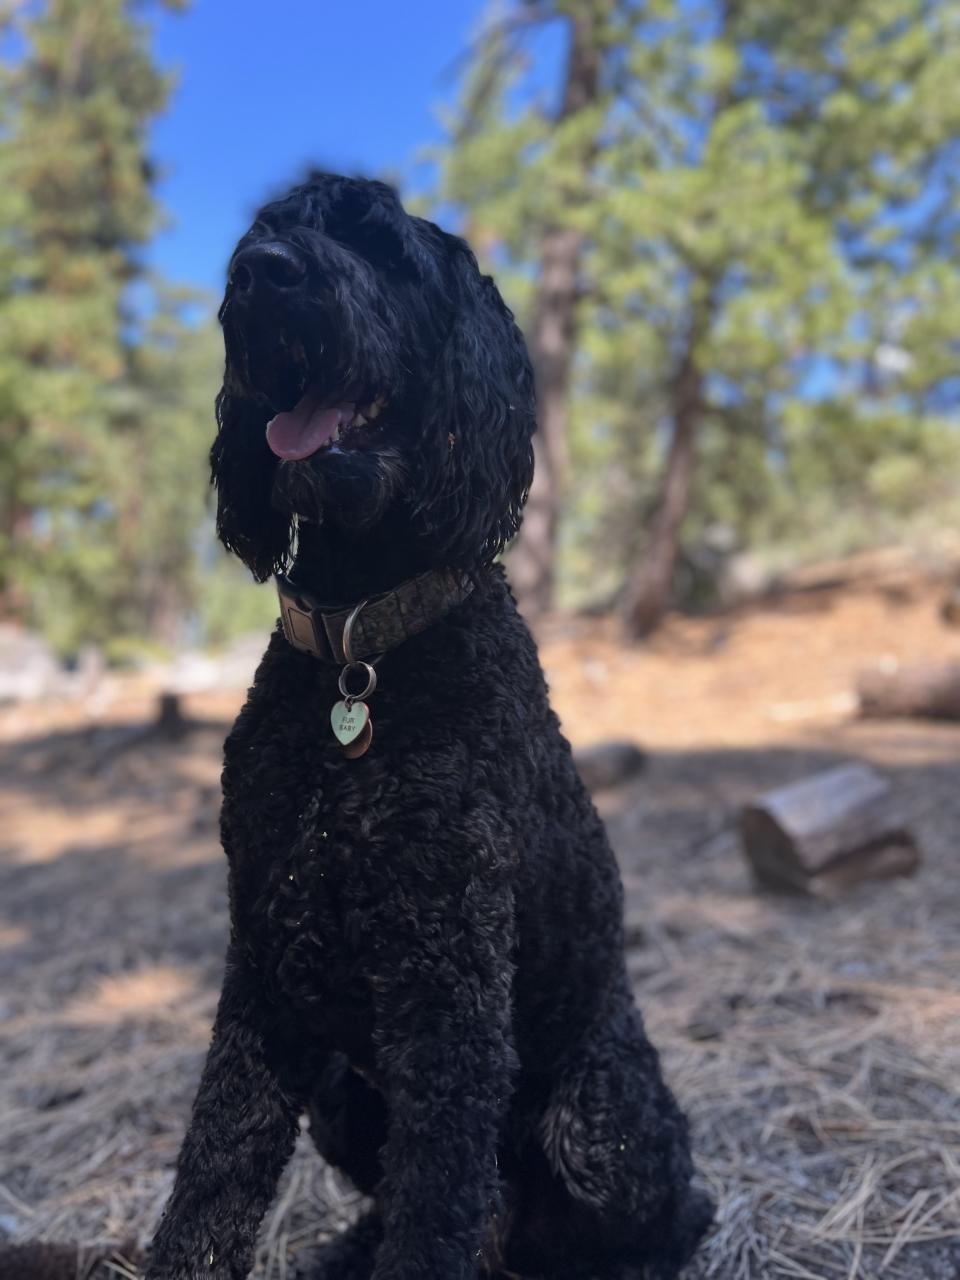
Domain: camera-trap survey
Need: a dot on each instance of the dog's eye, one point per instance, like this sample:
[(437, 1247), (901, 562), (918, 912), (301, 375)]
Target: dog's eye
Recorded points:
[(381, 242), (375, 228)]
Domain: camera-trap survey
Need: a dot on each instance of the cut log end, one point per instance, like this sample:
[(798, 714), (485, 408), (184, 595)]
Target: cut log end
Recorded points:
[(828, 832)]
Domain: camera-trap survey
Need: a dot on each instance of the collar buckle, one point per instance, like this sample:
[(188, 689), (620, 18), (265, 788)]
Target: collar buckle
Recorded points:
[(304, 624)]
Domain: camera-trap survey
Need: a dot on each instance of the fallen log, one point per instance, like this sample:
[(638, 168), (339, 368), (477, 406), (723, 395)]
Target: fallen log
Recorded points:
[(828, 832), (950, 607), (36, 1260), (929, 690)]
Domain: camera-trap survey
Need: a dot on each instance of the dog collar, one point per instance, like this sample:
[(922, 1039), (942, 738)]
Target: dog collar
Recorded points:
[(378, 624)]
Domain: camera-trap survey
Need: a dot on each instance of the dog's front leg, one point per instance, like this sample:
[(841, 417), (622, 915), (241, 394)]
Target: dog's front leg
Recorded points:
[(444, 1051), (241, 1135)]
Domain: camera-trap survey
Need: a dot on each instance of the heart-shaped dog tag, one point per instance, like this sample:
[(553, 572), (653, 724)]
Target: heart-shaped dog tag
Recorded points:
[(358, 746), (349, 721)]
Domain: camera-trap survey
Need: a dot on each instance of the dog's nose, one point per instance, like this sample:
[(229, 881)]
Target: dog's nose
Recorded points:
[(269, 267)]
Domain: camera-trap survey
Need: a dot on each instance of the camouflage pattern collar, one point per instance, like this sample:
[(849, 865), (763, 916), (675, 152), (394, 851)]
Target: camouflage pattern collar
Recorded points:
[(383, 621)]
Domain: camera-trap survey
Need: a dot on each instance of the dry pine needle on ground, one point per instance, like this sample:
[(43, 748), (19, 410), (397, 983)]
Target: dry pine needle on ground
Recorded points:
[(815, 1045)]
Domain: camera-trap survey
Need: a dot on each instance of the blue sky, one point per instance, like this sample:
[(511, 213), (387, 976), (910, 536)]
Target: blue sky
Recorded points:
[(266, 88)]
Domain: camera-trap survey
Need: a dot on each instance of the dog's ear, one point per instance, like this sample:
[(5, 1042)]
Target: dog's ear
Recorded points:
[(476, 446), (242, 469)]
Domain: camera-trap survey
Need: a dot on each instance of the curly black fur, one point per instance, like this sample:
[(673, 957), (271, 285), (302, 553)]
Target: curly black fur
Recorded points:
[(395, 308), (426, 951)]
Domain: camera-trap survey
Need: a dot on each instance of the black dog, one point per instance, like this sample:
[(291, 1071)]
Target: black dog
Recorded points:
[(426, 950)]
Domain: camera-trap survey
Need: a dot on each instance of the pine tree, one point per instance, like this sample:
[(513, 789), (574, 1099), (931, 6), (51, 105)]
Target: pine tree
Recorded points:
[(553, 326), (765, 197), (76, 207), (808, 216), (526, 183)]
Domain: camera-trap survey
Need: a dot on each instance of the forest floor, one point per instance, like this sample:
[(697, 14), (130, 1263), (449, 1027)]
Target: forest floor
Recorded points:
[(816, 1045)]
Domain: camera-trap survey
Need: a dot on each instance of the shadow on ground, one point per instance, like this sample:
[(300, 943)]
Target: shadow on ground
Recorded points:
[(816, 1045)]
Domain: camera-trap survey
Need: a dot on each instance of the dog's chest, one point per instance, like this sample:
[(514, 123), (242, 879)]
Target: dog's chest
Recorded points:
[(304, 868), (327, 853), (304, 921)]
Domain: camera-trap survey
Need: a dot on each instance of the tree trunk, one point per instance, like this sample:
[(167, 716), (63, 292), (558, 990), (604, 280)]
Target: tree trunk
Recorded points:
[(15, 518), (552, 341), (646, 595)]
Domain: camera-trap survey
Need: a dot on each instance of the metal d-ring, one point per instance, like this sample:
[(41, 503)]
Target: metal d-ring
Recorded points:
[(353, 664), (347, 641)]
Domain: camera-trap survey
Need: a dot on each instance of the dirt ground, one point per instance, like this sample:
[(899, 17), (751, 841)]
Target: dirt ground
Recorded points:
[(816, 1045)]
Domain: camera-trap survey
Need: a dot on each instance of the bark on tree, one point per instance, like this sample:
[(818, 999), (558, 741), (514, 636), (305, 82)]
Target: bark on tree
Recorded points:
[(552, 342), (646, 595), (14, 526)]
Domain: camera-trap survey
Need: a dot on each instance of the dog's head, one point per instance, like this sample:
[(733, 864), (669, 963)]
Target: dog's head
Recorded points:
[(373, 378)]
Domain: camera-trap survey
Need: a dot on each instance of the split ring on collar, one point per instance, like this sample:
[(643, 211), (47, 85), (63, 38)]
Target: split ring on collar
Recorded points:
[(367, 690)]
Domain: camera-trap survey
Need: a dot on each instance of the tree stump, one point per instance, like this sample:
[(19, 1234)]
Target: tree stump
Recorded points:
[(828, 832), (609, 763), (929, 690), (170, 721)]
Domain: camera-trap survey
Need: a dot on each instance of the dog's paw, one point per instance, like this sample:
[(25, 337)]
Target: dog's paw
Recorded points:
[(348, 1256)]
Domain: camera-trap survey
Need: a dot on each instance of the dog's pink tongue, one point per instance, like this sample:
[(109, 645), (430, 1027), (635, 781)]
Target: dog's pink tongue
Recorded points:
[(303, 429)]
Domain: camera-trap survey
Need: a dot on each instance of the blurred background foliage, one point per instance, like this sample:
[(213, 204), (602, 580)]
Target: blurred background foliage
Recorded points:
[(728, 230)]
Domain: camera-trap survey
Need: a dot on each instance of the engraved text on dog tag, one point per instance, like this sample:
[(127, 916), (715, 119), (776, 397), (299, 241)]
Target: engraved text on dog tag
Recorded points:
[(349, 719)]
